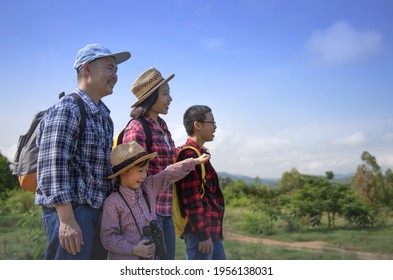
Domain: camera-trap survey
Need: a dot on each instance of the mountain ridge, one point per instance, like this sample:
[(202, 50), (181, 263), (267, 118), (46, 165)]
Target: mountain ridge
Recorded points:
[(342, 178)]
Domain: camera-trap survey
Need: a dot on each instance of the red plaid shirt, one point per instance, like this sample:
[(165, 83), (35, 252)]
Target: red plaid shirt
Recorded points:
[(165, 154), (205, 215)]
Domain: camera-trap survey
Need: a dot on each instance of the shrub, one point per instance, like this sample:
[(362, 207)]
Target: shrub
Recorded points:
[(255, 223)]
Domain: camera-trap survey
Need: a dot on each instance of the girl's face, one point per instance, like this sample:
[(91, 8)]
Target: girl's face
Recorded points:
[(134, 177), (164, 99)]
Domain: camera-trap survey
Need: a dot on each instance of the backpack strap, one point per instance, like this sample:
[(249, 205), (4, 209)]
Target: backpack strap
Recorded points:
[(202, 165), (82, 110), (119, 139), (146, 128)]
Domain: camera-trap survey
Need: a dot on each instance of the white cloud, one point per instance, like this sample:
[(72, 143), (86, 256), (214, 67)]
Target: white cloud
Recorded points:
[(212, 44), (385, 160), (354, 139), (389, 136), (342, 43), (9, 152), (320, 166)]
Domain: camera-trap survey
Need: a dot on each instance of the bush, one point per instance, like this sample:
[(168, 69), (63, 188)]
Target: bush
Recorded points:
[(31, 225), (292, 222), (255, 223), (21, 223), (18, 202)]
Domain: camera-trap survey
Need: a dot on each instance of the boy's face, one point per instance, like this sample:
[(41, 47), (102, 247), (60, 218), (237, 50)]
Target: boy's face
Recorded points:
[(134, 177), (208, 128)]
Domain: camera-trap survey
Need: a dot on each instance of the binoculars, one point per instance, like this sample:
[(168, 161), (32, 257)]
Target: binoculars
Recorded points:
[(155, 235)]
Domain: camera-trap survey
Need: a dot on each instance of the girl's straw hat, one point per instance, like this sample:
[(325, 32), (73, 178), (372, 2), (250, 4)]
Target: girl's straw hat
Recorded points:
[(147, 83), (127, 155)]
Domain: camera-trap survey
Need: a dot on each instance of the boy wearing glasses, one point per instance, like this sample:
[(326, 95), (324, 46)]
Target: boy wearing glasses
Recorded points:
[(205, 211)]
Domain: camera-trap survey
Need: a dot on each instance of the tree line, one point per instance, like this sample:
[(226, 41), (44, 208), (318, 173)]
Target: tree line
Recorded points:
[(300, 199), (365, 201)]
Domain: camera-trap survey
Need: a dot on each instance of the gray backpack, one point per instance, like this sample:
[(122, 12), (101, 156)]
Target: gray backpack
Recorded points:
[(25, 161)]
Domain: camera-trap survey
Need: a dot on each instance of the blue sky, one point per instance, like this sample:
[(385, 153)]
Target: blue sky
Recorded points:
[(305, 84)]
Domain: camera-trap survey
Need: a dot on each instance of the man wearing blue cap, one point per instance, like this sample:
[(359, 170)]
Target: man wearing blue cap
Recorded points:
[(73, 167)]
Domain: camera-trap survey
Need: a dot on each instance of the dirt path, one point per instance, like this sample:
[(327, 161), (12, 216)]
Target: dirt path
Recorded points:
[(309, 246)]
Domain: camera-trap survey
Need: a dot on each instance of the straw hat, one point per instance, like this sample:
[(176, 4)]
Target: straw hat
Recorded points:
[(127, 155), (147, 83)]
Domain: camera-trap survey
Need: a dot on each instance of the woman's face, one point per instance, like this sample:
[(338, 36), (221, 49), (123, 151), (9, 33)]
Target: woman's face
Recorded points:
[(164, 99)]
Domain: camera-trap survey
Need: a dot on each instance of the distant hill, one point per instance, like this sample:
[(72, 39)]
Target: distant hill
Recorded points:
[(249, 180), (342, 178)]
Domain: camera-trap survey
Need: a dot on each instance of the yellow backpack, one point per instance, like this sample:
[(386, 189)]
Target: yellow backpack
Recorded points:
[(180, 219)]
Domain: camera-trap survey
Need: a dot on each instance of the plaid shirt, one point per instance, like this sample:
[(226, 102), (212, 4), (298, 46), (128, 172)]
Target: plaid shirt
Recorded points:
[(119, 232), (134, 132), (205, 216), (71, 169)]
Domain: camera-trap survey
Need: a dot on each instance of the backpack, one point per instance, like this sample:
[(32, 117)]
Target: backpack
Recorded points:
[(25, 161), (146, 127), (179, 217)]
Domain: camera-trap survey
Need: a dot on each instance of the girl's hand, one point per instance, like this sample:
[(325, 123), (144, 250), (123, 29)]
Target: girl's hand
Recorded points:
[(144, 249), (202, 159)]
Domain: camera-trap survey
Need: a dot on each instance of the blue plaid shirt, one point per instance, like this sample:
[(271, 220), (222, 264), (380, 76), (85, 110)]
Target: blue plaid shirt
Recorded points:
[(73, 168)]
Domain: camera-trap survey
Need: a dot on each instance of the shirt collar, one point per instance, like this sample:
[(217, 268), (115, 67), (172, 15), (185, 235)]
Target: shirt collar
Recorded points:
[(191, 142), (94, 108), (131, 194)]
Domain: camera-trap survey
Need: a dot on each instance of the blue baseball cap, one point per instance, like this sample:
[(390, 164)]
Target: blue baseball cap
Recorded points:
[(94, 51)]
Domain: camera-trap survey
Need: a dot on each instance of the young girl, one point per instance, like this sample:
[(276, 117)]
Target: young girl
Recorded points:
[(132, 206)]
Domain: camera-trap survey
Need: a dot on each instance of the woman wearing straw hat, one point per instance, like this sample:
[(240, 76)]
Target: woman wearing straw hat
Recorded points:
[(153, 94), (130, 209)]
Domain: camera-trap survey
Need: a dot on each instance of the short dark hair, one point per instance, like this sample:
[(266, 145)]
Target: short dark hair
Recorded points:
[(141, 109), (192, 114)]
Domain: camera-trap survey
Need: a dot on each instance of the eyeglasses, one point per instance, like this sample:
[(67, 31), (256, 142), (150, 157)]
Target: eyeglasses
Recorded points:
[(213, 122)]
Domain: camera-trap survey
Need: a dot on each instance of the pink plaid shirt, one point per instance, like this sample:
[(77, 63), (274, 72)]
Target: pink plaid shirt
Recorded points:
[(119, 232), (165, 154)]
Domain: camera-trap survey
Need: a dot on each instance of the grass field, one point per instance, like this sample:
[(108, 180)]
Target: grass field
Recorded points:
[(338, 244)]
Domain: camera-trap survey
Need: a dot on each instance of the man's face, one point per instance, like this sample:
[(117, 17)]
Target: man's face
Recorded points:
[(103, 75)]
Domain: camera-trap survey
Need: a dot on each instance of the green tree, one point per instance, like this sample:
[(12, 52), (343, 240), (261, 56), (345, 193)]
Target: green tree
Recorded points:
[(307, 202), (290, 181), (7, 180), (236, 194), (267, 200), (318, 197), (329, 175), (370, 182), (389, 188), (225, 181)]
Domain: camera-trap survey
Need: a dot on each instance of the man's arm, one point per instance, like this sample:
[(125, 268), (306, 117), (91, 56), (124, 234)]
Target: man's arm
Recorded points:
[(70, 234)]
